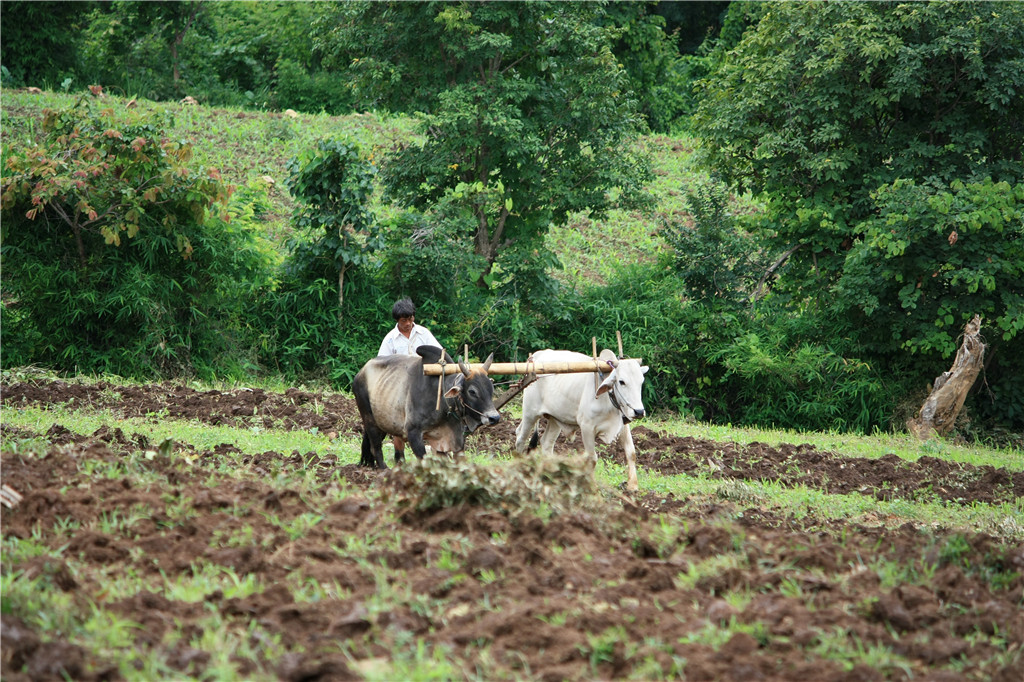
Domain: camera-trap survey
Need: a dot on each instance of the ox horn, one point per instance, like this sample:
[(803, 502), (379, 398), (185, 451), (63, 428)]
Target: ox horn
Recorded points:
[(487, 362), (464, 367)]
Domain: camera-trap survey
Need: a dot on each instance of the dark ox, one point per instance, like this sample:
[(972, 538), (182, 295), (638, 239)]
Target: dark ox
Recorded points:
[(396, 398)]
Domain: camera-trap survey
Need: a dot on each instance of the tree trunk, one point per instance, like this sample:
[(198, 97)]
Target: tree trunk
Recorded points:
[(939, 411), (341, 292)]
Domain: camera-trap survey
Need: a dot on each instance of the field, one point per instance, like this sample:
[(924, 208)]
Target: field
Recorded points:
[(171, 531)]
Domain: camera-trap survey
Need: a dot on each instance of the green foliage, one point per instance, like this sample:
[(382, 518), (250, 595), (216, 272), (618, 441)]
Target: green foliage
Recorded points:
[(295, 87), (301, 334), (527, 116), (873, 132), (934, 255), (823, 103), (336, 235), (651, 60), (41, 42), (116, 257), (785, 371), (698, 62), (252, 54), (333, 184), (140, 47), (714, 258)]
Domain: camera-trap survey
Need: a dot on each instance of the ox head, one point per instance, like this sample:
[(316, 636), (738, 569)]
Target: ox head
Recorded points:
[(473, 389), (478, 396), (624, 386)]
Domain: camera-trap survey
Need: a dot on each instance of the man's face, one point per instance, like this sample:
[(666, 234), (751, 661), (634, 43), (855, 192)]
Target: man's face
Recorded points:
[(405, 324)]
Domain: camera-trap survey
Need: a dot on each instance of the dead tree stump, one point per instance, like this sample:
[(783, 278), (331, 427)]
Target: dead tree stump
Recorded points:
[(939, 411)]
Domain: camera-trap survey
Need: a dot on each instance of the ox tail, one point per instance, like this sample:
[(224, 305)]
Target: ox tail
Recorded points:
[(534, 439)]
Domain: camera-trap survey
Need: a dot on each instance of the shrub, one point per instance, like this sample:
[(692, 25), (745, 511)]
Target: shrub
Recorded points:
[(295, 87), (117, 254)]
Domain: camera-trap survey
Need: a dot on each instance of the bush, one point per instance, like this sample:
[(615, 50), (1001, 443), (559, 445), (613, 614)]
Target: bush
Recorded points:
[(117, 255), (297, 88), (935, 254), (302, 336)]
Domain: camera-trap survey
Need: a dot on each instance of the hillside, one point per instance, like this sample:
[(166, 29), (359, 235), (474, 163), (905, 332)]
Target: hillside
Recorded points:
[(252, 150)]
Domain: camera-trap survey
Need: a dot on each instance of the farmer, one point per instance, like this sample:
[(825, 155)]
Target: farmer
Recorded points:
[(407, 336), (404, 339)]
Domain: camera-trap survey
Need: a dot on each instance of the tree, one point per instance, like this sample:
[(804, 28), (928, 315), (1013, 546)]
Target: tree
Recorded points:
[(823, 103), (885, 140), (525, 114), (651, 60), (41, 41), (136, 42), (333, 185)]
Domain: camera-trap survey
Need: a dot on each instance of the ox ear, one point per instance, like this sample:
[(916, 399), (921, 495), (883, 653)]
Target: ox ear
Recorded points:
[(606, 385), (643, 370), (455, 389)]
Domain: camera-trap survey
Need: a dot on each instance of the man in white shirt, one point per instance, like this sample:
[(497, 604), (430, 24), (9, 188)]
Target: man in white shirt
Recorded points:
[(404, 339), (407, 336)]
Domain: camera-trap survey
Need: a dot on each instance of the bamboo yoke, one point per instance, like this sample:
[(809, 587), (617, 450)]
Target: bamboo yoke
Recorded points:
[(528, 369)]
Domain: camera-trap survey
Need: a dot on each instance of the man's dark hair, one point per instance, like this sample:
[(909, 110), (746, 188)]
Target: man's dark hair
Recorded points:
[(403, 308)]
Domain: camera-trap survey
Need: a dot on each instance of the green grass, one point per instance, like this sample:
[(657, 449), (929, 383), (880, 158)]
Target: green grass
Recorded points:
[(200, 436), (902, 445)]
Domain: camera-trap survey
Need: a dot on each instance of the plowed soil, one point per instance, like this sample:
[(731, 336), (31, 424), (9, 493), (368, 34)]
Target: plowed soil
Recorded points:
[(636, 590)]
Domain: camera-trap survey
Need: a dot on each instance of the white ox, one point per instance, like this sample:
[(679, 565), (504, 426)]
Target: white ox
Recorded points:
[(573, 401)]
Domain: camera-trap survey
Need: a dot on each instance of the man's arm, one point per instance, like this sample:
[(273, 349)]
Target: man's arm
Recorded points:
[(428, 339)]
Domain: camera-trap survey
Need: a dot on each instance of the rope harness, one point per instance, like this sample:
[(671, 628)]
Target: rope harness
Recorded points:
[(612, 396)]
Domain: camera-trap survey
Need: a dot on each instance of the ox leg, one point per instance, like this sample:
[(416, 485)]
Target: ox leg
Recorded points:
[(373, 450), (415, 439), (589, 436), (525, 431), (399, 444), (551, 433), (366, 458), (626, 438)]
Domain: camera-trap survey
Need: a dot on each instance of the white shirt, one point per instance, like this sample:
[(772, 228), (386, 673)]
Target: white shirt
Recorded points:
[(395, 342)]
